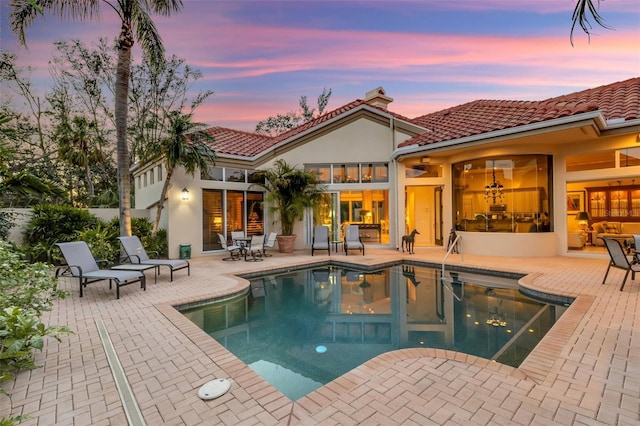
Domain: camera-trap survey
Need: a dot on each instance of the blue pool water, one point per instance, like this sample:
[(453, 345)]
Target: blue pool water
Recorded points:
[(303, 328)]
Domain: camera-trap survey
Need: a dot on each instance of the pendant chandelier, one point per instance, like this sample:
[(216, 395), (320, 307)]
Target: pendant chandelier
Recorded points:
[(494, 190)]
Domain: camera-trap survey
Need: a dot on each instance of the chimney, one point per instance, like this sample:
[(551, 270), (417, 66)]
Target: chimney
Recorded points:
[(377, 97)]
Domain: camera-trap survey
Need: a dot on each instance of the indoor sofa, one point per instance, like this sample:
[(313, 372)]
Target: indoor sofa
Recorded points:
[(621, 231)]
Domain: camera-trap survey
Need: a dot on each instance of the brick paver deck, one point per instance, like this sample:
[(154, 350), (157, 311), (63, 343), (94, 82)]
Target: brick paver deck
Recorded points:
[(585, 371)]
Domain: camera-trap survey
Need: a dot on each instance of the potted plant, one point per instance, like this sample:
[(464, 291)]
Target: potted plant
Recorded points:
[(290, 190)]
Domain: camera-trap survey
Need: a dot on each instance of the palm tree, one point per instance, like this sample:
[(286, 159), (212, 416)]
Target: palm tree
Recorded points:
[(77, 147), (184, 146), (136, 21), (290, 191), (581, 18)]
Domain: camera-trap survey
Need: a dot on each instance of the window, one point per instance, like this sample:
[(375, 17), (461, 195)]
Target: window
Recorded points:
[(417, 171), (503, 194), (160, 173), (253, 177), (212, 173), (346, 173), (151, 177), (322, 172), (234, 175), (351, 172), (629, 157)]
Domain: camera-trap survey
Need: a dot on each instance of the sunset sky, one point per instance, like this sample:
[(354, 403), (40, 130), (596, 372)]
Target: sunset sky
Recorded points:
[(259, 57)]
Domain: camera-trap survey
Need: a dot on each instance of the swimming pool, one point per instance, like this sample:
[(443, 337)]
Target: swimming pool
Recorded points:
[(301, 329)]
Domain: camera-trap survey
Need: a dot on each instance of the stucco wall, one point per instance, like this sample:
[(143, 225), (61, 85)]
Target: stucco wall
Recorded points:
[(23, 216)]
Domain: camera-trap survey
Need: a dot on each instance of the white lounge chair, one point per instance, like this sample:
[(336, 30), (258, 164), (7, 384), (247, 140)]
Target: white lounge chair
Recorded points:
[(320, 239), (82, 265), (352, 240), (135, 253)]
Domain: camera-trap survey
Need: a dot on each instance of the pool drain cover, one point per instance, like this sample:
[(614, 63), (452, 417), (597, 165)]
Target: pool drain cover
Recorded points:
[(214, 389)]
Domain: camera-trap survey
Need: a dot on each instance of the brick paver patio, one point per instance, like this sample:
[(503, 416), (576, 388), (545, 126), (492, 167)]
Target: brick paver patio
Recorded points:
[(585, 371)]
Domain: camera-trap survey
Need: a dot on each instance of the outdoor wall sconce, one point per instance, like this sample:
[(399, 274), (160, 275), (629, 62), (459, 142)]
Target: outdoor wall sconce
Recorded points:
[(185, 194)]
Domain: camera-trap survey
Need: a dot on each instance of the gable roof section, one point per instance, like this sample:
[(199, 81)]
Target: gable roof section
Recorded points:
[(619, 100), (236, 142), (246, 144)]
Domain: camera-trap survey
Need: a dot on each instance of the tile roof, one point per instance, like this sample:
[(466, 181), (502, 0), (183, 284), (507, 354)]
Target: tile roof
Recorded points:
[(247, 144), (236, 142), (617, 100)]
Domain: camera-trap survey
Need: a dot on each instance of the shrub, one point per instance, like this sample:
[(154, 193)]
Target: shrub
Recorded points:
[(26, 290), (6, 222), (52, 224), (141, 227), (102, 241)]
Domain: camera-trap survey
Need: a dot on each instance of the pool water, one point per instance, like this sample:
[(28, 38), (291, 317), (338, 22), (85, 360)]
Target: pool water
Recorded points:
[(301, 329)]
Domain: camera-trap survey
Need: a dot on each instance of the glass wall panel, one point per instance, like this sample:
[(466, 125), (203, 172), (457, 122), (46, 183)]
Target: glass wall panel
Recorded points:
[(346, 173), (416, 171), (322, 172), (212, 219), (253, 177), (212, 173), (503, 194), (235, 211), (234, 175), (380, 173), (369, 210), (255, 217), (594, 161), (629, 157)]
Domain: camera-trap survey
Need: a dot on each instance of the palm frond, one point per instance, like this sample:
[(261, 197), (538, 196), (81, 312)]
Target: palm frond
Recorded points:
[(580, 17)]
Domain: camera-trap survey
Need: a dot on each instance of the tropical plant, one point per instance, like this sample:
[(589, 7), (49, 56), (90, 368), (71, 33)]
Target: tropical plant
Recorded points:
[(136, 23), (26, 291), (102, 241), (185, 146), (52, 224), (290, 191)]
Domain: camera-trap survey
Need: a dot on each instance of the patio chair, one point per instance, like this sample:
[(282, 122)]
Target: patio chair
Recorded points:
[(636, 248), (269, 243), (255, 249), (620, 260), (135, 253), (352, 240), (82, 265), (320, 239), (234, 250)]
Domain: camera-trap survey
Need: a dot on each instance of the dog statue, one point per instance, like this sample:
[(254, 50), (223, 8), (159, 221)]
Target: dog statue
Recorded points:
[(409, 240)]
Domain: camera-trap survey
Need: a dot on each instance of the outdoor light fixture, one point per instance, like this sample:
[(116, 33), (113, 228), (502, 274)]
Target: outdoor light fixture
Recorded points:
[(185, 194), (583, 218), (494, 190)]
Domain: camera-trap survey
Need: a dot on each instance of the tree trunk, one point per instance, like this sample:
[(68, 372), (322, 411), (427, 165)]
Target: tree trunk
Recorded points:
[(122, 148), (163, 196), (89, 179)]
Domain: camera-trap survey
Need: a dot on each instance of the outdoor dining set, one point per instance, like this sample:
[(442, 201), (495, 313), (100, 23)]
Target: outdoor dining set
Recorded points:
[(253, 248)]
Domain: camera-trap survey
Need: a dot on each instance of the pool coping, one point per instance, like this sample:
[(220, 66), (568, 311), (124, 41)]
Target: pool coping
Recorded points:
[(536, 367)]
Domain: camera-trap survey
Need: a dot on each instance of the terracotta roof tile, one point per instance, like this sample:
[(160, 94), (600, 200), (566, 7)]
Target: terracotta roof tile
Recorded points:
[(247, 144), (236, 142), (617, 100)]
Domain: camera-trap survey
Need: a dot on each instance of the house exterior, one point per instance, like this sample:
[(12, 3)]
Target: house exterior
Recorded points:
[(510, 177)]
